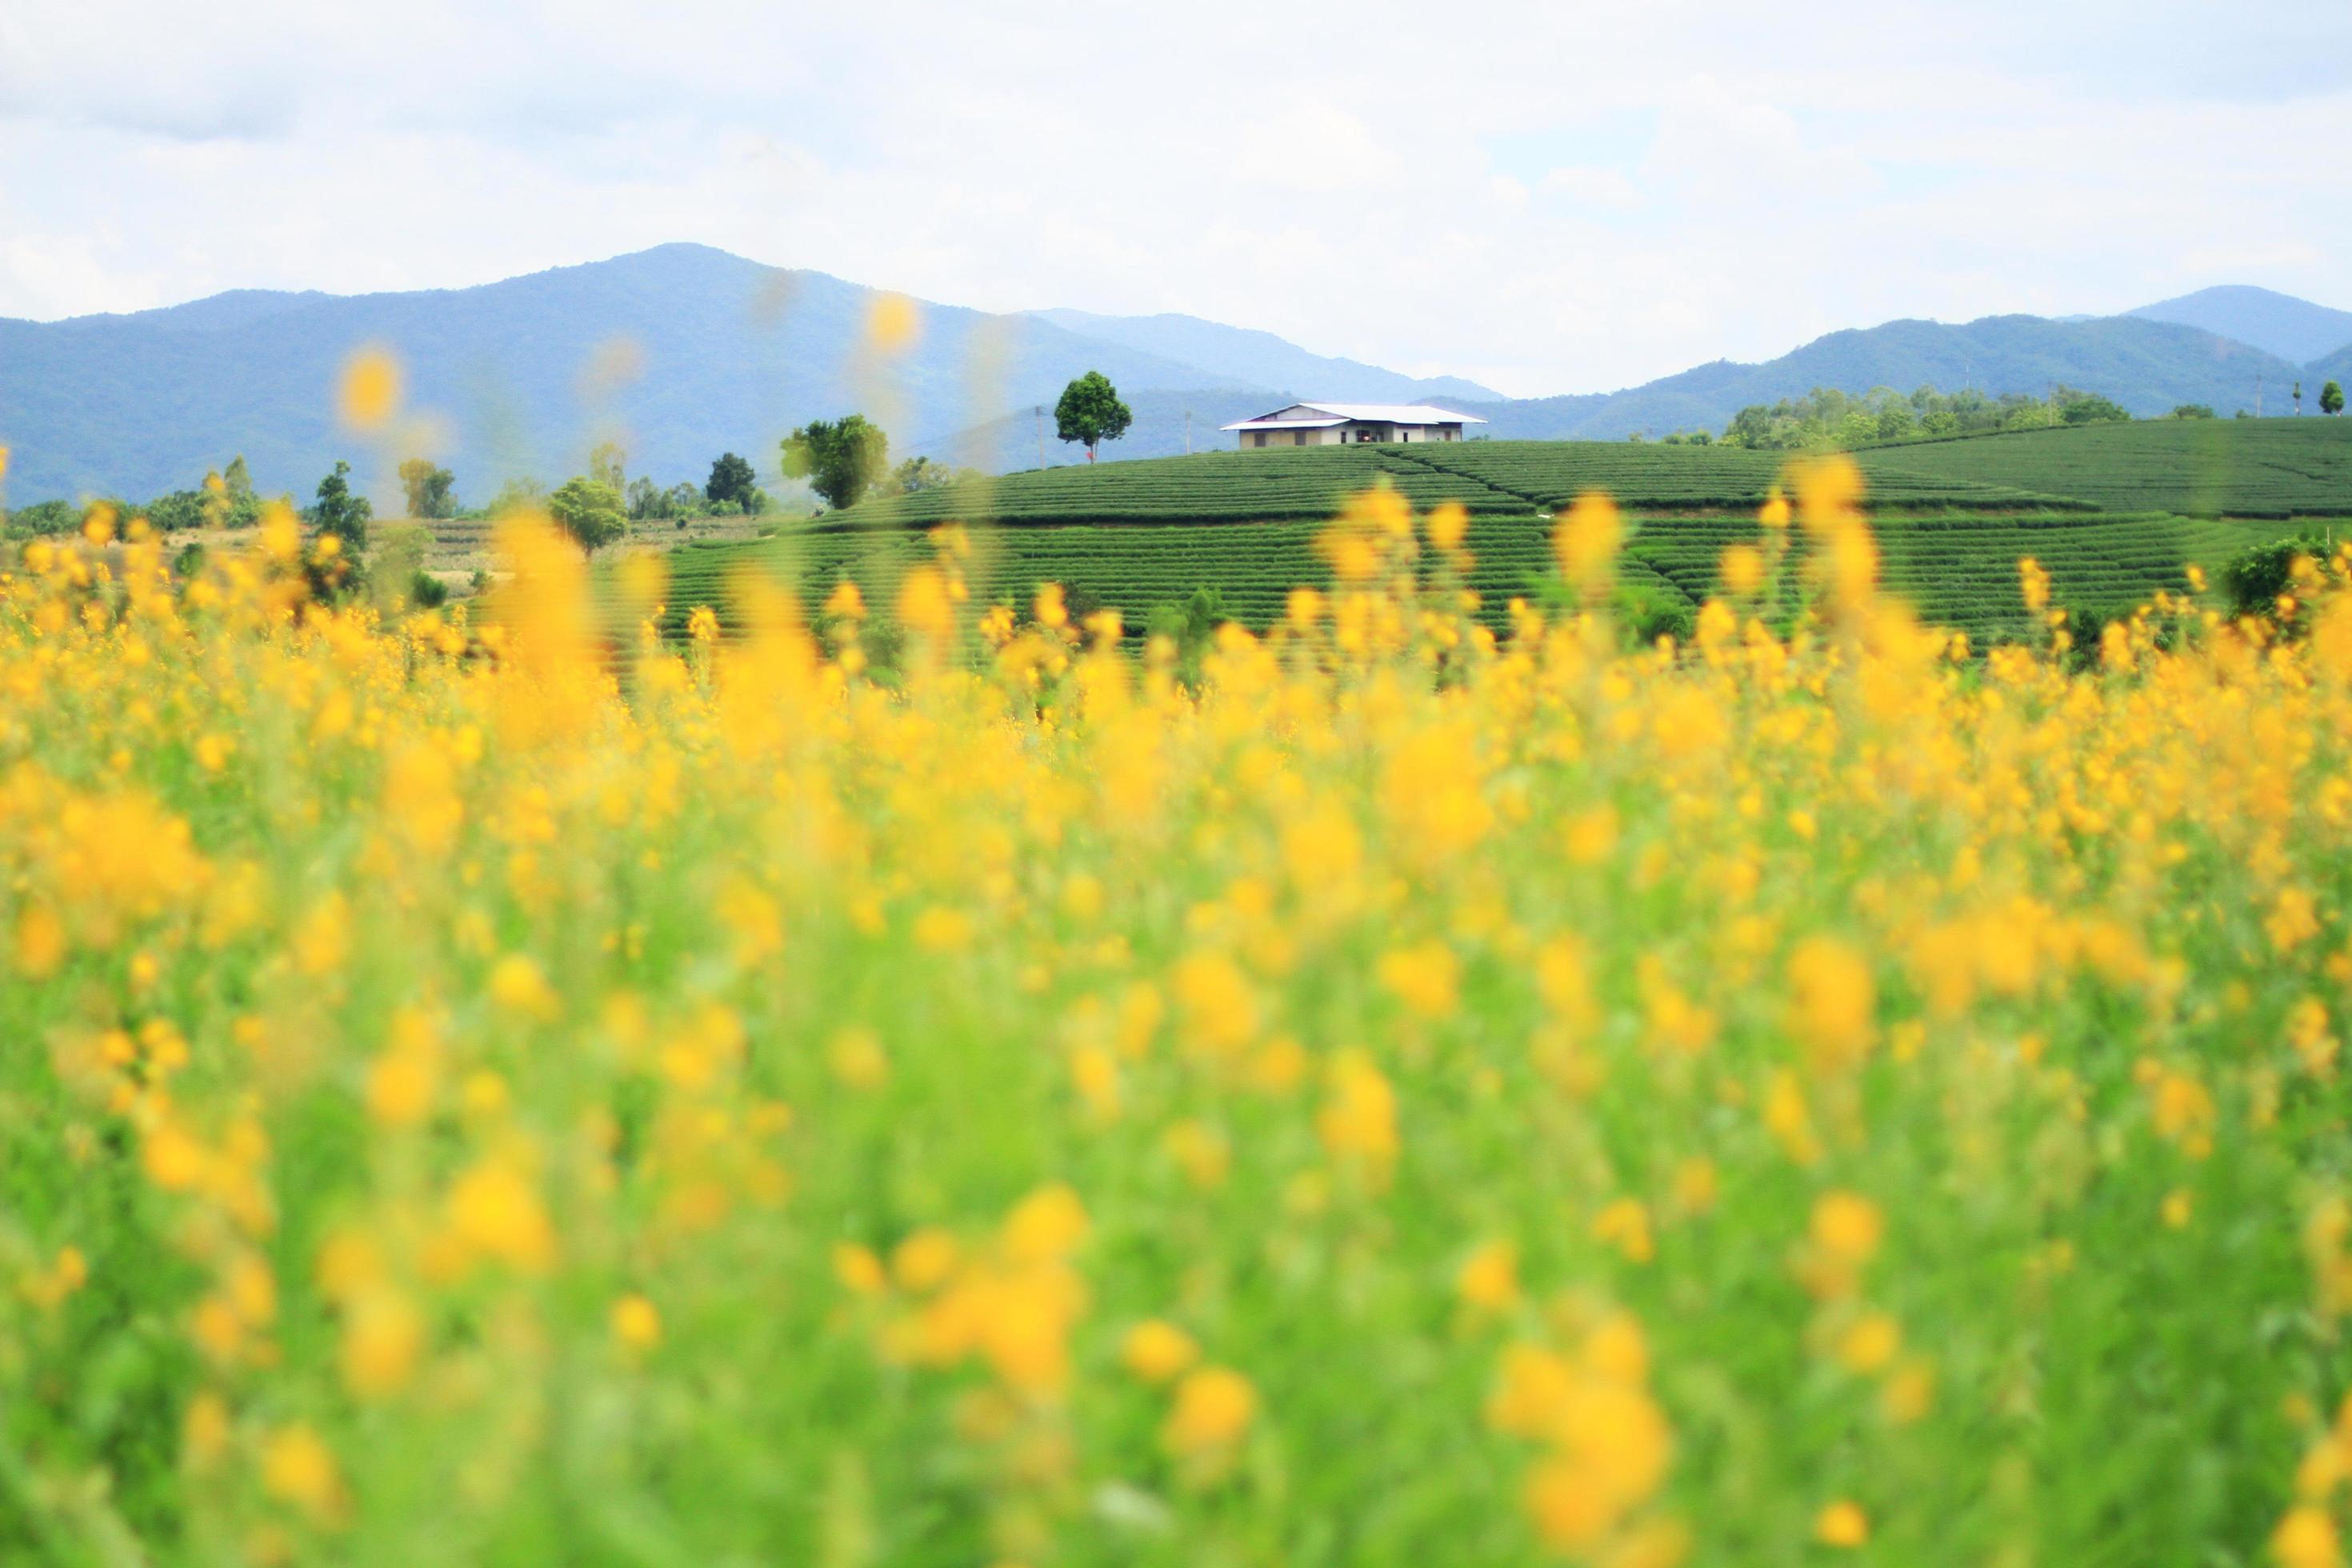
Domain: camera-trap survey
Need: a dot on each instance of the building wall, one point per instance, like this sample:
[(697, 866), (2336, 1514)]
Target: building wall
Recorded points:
[(1337, 435), (1283, 440)]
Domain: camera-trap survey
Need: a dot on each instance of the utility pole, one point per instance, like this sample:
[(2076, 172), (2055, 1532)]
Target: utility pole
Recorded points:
[(1188, 432), (1041, 435), (2258, 395)]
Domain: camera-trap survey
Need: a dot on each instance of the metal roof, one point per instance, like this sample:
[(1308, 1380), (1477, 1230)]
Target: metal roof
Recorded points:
[(1270, 423), (1358, 412)]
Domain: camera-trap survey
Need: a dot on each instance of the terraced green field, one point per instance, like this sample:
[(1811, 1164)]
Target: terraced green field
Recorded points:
[(1487, 476), (1960, 571), (1132, 566), (1308, 483), (1548, 474), (2114, 512), (2272, 468)]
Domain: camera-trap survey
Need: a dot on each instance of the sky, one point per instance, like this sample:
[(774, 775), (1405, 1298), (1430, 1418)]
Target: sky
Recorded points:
[(1562, 198)]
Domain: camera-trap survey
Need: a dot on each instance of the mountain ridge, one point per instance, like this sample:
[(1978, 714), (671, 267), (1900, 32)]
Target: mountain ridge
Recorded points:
[(732, 353), (2277, 323)]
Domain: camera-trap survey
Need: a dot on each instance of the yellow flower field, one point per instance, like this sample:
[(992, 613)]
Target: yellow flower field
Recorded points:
[(470, 1095)]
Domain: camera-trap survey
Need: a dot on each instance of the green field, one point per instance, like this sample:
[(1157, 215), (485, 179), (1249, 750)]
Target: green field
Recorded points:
[(1487, 476), (2202, 468), (2115, 512)]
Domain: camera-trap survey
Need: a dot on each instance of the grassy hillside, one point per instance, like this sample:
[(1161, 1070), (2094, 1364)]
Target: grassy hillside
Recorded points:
[(1496, 477), (1960, 569), (2115, 513), (2219, 467)]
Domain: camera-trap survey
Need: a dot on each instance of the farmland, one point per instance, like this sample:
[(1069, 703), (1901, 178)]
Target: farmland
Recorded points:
[(1487, 476), (2114, 513), (2270, 468)]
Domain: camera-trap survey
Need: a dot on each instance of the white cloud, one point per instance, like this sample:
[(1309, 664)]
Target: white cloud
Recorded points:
[(1327, 179), (1588, 186)]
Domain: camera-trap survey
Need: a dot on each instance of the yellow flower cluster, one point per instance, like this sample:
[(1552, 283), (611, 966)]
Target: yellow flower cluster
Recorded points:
[(922, 1078)]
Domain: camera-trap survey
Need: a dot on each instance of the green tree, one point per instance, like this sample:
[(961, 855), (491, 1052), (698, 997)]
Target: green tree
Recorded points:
[(340, 512), (229, 500), (1090, 412), (608, 463), (2090, 408), (2261, 573), (840, 459), (430, 489), (2298, 400), (732, 483), (590, 510), (2192, 411), (919, 474), (177, 512), (44, 516), (2331, 398), (522, 493)]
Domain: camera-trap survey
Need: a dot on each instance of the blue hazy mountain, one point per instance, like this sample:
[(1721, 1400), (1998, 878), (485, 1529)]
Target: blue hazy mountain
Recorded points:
[(1262, 360), (717, 353), (2150, 367), (727, 354), (2282, 324)]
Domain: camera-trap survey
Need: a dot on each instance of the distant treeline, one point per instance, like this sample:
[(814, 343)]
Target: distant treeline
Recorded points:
[(596, 507), (1828, 418), (226, 499)]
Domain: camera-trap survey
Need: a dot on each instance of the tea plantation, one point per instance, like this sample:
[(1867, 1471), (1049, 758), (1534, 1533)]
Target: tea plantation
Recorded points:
[(2273, 468), (2114, 512)]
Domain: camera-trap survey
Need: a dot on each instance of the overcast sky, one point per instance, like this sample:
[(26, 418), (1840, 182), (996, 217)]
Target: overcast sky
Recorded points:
[(1554, 198)]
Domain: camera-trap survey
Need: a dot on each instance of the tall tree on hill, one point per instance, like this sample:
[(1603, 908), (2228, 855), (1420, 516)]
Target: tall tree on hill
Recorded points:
[(1090, 412), (2331, 398), (342, 513), (229, 498), (841, 459), (731, 483), (590, 510), (2298, 400), (607, 461), (430, 489)]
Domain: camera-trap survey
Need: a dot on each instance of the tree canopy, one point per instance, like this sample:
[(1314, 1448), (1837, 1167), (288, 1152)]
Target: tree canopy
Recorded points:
[(340, 512), (1090, 412), (1829, 419), (919, 474), (229, 500), (732, 483), (840, 459), (520, 492), (608, 464), (2331, 398), (430, 489), (590, 510)]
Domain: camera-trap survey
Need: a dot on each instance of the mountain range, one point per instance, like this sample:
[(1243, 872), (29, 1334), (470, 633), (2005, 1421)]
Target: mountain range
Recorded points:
[(682, 352)]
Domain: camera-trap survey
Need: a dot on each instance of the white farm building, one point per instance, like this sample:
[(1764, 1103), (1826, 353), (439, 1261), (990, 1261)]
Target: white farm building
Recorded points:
[(1334, 423)]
